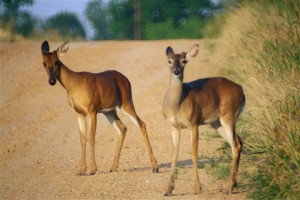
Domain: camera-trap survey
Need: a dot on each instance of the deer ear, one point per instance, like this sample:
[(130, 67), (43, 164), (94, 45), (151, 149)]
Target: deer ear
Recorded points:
[(62, 49), (169, 52), (192, 52), (45, 47)]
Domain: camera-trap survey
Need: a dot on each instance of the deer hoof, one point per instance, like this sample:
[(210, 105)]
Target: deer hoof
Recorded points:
[(155, 170), (231, 187), (113, 170), (81, 173), (93, 172), (197, 191), (167, 194)]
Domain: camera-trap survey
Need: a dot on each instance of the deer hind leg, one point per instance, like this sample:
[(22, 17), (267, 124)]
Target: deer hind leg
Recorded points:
[(239, 145), (121, 129), (175, 149), (92, 131), (236, 147), (82, 127), (129, 111)]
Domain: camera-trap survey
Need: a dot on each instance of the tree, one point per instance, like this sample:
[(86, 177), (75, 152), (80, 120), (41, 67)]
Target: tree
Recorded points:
[(24, 24), (149, 19), (14, 18), (97, 14), (175, 18), (122, 18), (66, 24)]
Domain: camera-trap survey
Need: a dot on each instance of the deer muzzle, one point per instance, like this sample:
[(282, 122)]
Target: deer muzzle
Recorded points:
[(52, 78)]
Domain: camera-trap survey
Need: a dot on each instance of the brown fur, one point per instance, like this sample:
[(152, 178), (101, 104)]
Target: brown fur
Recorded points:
[(216, 101), (92, 93)]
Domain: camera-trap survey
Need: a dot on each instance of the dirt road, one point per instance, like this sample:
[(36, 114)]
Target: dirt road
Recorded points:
[(40, 146)]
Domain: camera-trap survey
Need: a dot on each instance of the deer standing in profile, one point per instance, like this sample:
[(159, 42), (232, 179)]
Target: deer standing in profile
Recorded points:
[(215, 101), (92, 93)]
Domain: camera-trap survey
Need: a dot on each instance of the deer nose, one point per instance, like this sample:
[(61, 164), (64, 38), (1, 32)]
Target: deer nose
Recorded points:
[(176, 73), (52, 81)]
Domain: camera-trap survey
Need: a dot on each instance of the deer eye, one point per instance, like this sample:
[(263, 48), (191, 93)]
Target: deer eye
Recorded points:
[(184, 61), (169, 61), (44, 64), (56, 63)]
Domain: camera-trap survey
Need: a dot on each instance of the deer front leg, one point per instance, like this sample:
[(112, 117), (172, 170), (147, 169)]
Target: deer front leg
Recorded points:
[(92, 131), (195, 137), (82, 127), (175, 148)]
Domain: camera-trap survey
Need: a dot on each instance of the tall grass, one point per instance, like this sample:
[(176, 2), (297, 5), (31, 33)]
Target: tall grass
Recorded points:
[(262, 40)]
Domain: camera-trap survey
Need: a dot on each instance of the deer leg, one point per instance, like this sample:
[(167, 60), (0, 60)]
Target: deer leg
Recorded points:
[(82, 127), (195, 138), (139, 123), (175, 148), (229, 129), (239, 145), (121, 129), (92, 131)]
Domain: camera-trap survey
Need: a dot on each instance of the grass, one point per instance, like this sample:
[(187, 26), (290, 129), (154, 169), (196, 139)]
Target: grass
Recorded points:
[(211, 135), (7, 36), (259, 48), (219, 167)]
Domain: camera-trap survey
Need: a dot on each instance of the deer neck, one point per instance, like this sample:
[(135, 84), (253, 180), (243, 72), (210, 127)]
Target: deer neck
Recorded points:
[(65, 76), (173, 96)]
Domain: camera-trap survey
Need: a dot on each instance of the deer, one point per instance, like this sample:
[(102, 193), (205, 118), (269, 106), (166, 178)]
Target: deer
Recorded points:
[(92, 93), (215, 101)]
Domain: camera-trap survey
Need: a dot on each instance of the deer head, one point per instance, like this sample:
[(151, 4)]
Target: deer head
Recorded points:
[(51, 60), (178, 61)]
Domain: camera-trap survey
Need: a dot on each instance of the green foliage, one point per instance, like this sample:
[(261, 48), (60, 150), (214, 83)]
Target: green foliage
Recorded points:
[(15, 19), (24, 24), (66, 24), (166, 30), (217, 167), (121, 23), (219, 170), (201, 165), (171, 19), (176, 173), (214, 27), (277, 55), (278, 176), (280, 55), (97, 13), (158, 19)]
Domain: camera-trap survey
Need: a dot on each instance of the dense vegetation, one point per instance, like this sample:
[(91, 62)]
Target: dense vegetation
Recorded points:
[(117, 19), (152, 19), (262, 40), (15, 20)]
